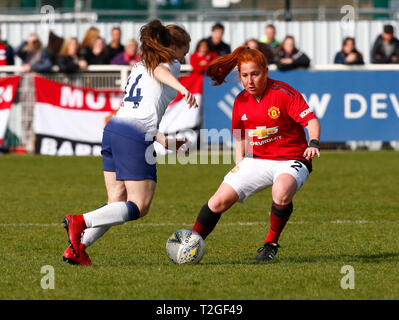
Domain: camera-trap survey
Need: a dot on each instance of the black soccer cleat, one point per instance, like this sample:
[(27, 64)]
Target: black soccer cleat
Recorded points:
[(267, 252)]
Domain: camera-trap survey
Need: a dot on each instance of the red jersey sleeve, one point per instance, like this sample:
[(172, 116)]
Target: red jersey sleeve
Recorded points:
[(237, 125), (299, 110), (194, 61)]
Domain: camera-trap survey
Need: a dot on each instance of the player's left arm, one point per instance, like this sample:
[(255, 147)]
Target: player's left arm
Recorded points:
[(313, 149), (163, 75), (168, 143)]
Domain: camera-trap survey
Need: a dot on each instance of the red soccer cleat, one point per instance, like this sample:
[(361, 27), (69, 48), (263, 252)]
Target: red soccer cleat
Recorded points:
[(71, 258), (74, 226)]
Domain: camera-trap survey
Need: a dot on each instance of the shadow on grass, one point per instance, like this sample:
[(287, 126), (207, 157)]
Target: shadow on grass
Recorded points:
[(365, 258), (341, 258)]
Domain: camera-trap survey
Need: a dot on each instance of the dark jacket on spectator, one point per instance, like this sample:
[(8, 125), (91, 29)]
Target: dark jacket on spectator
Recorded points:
[(113, 52), (340, 58), (40, 60), (221, 48), (67, 64), (301, 60), (378, 50), (102, 58)]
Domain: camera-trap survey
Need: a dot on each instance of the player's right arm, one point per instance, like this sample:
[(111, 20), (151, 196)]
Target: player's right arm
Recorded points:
[(163, 75), (313, 128)]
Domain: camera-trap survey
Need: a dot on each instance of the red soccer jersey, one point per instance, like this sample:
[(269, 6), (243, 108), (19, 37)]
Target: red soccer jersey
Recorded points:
[(273, 127), (200, 63)]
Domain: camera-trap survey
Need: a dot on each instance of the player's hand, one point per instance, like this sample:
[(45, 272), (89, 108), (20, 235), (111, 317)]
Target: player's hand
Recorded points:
[(310, 152), (190, 99), (175, 144)]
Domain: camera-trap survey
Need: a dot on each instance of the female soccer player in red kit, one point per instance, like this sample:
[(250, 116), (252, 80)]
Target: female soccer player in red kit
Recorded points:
[(268, 124)]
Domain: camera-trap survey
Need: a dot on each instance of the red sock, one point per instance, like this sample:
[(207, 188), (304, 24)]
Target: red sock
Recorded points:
[(279, 216), (206, 221), (202, 230)]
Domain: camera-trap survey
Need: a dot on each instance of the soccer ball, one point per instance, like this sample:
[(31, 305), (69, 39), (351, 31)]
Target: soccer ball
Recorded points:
[(185, 247)]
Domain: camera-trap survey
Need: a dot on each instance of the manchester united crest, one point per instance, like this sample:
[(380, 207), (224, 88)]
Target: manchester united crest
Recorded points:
[(273, 112)]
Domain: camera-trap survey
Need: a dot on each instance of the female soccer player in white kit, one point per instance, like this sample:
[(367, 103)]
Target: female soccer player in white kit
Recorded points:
[(127, 146)]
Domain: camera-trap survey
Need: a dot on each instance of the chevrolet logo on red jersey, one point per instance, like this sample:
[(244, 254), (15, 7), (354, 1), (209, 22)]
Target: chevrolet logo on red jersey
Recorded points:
[(262, 132)]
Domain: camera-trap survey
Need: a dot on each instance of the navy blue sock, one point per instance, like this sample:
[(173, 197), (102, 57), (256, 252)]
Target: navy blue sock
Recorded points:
[(133, 211)]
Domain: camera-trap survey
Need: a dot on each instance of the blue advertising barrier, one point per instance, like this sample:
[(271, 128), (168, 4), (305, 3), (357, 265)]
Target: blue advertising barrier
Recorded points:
[(351, 105)]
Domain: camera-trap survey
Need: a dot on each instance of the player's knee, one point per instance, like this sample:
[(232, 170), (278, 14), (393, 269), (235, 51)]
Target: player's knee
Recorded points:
[(282, 196), (144, 208), (217, 204), (282, 199), (116, 199), (117, 196)]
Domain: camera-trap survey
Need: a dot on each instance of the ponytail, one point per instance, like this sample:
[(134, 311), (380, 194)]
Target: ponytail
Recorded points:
[(155, 41), (222, 66)]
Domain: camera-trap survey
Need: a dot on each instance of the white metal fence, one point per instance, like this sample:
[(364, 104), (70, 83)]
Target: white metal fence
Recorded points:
[(319, 39)]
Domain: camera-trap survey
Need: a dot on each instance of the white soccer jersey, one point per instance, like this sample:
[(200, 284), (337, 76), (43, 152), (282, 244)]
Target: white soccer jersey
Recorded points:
[(146, 99)]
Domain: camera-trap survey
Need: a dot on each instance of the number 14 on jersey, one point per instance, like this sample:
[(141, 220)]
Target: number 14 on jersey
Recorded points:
[(134, 92)]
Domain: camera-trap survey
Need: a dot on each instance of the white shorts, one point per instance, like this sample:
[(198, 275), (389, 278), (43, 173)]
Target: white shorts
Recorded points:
[(252, 175)]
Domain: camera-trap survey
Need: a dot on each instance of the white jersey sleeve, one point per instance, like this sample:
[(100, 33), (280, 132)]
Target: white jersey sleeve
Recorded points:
[(145, 98)]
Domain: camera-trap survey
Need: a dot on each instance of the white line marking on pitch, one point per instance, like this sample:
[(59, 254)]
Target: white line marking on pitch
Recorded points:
[(150, 224)]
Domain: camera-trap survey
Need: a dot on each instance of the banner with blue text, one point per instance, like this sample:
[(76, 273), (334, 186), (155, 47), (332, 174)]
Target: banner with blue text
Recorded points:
[(351, 105)]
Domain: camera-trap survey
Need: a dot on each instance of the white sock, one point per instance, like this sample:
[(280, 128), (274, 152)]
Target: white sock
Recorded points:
[(111, 214), (91, 235)]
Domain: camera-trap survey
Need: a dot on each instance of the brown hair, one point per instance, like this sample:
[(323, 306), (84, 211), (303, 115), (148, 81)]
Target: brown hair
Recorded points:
[(91, 35), (65, 46), (222, 66), (218, 26), (180, 37), (201, 42), (281, 46), (155, 40)]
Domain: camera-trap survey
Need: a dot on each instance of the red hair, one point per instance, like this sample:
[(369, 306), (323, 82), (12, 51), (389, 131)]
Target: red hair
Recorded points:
[(222, 66)]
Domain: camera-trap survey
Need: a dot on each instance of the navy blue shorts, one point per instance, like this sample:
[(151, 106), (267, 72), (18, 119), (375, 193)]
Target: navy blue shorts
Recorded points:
[(126, 152)]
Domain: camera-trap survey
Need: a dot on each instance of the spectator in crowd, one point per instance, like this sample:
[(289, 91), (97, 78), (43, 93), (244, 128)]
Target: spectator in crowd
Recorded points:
[(215, 41), (68, 59), (54, 45), (386, 47), (348, 53), (262, 47), (88, 41), (202, 57), (129, 56), (115, 47), (6, 53), (98, 54), (289, 57), (33, 56), (269, 37)]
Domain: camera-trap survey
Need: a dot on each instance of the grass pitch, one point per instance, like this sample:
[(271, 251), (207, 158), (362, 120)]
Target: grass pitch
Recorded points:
[(346, 214)]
